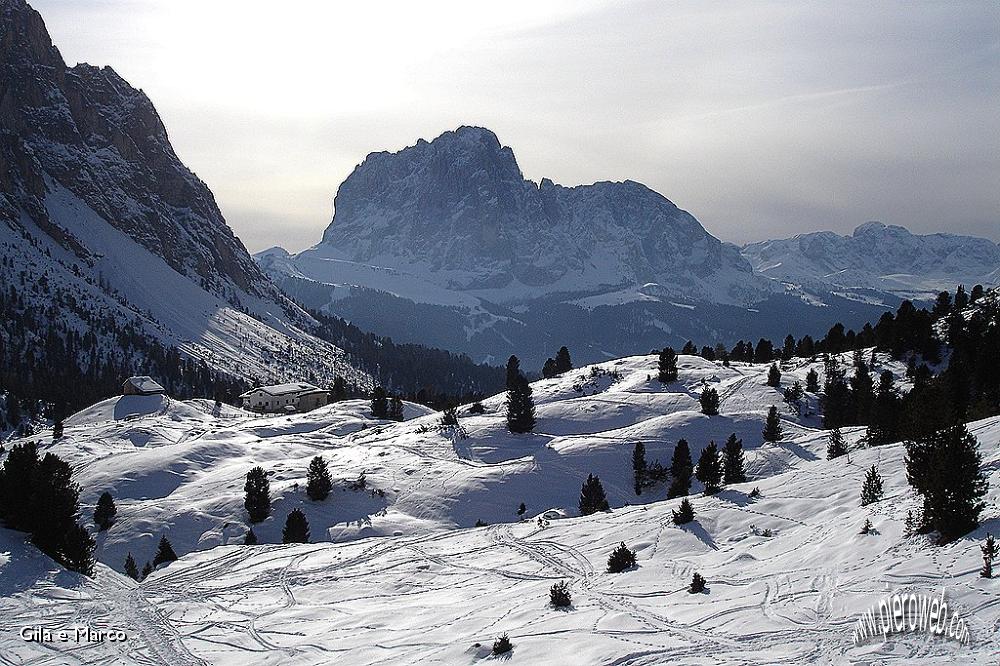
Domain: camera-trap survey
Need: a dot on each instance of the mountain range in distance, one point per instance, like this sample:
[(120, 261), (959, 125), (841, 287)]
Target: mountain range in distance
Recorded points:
[(443, 244), (448, 233)]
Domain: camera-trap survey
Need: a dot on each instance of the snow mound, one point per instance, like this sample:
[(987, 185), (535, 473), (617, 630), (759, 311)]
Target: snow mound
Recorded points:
[(128, 407)]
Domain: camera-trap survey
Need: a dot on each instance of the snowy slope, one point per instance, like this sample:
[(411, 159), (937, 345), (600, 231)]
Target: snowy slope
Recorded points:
[(436, 594), (881, 258), (178, 469)]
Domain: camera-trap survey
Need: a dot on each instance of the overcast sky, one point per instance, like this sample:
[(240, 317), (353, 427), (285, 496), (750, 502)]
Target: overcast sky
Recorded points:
[(763, 120)]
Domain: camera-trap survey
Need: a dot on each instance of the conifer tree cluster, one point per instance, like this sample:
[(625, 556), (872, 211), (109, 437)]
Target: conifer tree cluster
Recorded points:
[(561, 364), (774, 376), (967, 389), (946, 468), (384, 406), (38, 496)]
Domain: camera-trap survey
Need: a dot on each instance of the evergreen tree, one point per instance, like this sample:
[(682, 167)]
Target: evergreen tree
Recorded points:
[(592, 497), (684, 513), (697, 585), (689, 349), (836, 401), (164, 553), (882, 424), (563, 362), (772, 431), (621, 559), (681, 470), (338, 391), (395, 408), (502, 645), (709, 400), (449, 417), (131, 570), (146, 570), (54, 503), (513, 372), (733, 461), (774, 376), (667, 366), (946, 468), (867, 528), (961, 299), (709, 470), (559, 595), (57, 430), (257, 499), (77, 550), (812, 381), (836, 445), (862, 393), (296, 528), (520, 408), (788, 348), (639, 466), (990, 551), (318, 482), (380, 403), (871, 491), (251, 538), (105, 512), (521, 510), (549, 368), (16, 477)]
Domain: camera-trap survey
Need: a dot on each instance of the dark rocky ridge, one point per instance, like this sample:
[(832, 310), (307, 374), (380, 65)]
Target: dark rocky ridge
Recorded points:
[(88, 130)]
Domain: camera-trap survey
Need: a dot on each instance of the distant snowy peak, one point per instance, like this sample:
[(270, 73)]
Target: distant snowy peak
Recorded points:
[(458, 211), (881, 257)]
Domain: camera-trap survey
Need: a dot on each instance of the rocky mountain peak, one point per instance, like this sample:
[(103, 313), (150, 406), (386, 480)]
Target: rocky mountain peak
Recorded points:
[(85, 129), (459, 210)]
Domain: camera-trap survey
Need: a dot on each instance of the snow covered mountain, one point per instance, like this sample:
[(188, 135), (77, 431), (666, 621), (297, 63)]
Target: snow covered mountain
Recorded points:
[(879, 257), (396, 572), (449, 233), (100, 219)]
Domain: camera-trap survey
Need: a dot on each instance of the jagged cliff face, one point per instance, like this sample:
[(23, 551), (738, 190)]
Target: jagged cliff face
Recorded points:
[(458, 212), (88, 130), (100, 221)]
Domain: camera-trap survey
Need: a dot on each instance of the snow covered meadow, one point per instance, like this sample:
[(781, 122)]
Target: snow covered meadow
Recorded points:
[(397, 572)]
